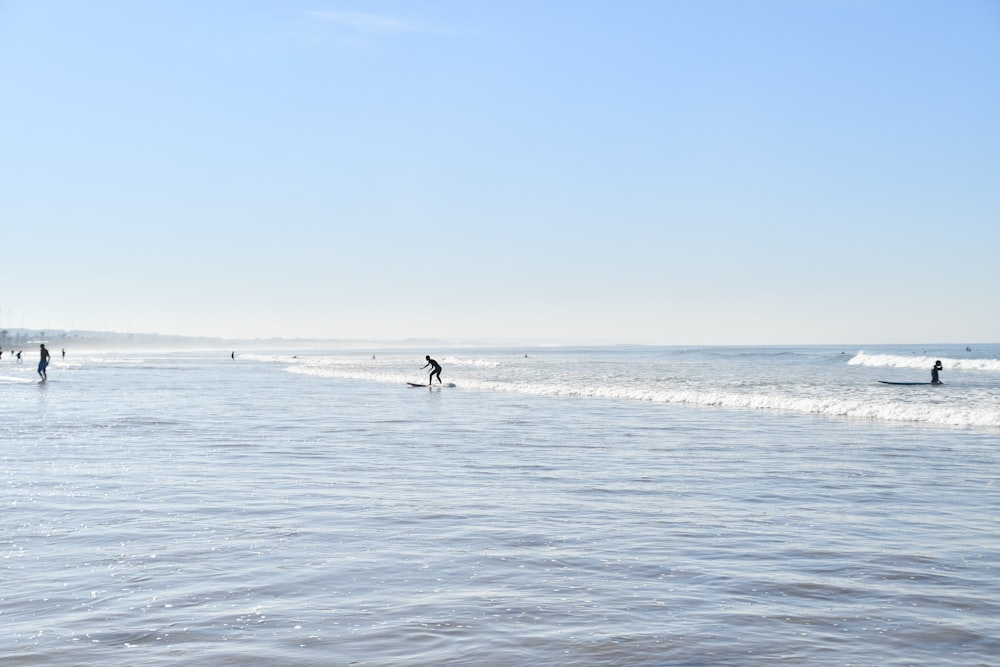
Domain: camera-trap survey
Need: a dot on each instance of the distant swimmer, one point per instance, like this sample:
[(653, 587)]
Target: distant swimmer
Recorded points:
[(233, 355), (43, 362), (435, 370), (934, 372), (19, 356), (64, 353)]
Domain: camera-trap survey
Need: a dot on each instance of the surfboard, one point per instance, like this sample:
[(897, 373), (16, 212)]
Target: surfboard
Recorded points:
[(909, 383), (417, 384)]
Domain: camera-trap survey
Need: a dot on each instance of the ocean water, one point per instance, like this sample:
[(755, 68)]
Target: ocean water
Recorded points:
[(585, 506)]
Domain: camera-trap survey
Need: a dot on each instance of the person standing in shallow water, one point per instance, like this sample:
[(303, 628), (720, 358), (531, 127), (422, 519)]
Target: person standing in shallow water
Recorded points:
[(435, 370), (934, 372), (43, 362)]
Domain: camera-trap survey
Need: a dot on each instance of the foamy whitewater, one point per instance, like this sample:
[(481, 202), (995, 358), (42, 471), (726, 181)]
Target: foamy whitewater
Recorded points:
[(809, 380), (547, 506)]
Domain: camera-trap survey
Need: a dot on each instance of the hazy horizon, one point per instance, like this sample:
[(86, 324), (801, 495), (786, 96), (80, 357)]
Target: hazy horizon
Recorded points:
[(149, 338)]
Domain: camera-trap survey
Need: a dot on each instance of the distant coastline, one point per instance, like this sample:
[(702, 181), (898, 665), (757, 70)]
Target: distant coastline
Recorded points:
[(13, 338), (18, 338)]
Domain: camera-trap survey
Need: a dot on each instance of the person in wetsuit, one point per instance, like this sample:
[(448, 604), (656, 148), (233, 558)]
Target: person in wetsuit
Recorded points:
[(934, 372), (43, 362), (435, 369)]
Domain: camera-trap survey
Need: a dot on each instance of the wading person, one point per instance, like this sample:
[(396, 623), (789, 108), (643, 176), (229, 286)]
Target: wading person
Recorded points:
[(43, 362), (934, 372)]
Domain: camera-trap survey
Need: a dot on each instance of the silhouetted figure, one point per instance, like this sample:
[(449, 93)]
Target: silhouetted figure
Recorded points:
[(435, 370), (43, 362), (934, 372)]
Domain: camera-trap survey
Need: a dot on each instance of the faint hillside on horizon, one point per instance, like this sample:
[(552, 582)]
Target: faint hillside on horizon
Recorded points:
[(12, 338)]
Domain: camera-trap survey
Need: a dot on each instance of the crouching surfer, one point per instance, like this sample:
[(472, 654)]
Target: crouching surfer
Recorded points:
[(435, 370)]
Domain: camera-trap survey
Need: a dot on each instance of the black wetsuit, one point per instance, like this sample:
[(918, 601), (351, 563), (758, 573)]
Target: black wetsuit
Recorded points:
[(435, 370)]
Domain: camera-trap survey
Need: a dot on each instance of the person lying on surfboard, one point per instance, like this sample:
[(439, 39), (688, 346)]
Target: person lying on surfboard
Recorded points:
[(435, 369), (934, 372)]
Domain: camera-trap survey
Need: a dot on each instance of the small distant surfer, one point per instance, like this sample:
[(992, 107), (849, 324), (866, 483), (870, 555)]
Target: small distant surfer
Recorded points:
[(934, 372), (43, 362), (435, 370)]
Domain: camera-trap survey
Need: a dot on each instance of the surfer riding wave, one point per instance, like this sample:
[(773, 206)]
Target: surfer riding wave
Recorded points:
[(435, 370)]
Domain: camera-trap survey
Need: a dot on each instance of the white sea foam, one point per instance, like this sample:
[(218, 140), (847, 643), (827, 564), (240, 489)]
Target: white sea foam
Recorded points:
[(923, 362), (730, 382), (330, 371), (833, 406), (17, 379), (481, 363)]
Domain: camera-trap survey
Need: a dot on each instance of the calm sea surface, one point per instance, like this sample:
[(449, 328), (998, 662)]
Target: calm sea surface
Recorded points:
[(606, 506)]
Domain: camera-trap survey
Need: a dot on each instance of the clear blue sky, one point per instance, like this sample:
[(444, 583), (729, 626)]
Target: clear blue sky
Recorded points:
[(696, 172)]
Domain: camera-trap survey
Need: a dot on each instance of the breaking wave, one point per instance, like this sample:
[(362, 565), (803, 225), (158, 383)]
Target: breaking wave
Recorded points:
[(923, 362)]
